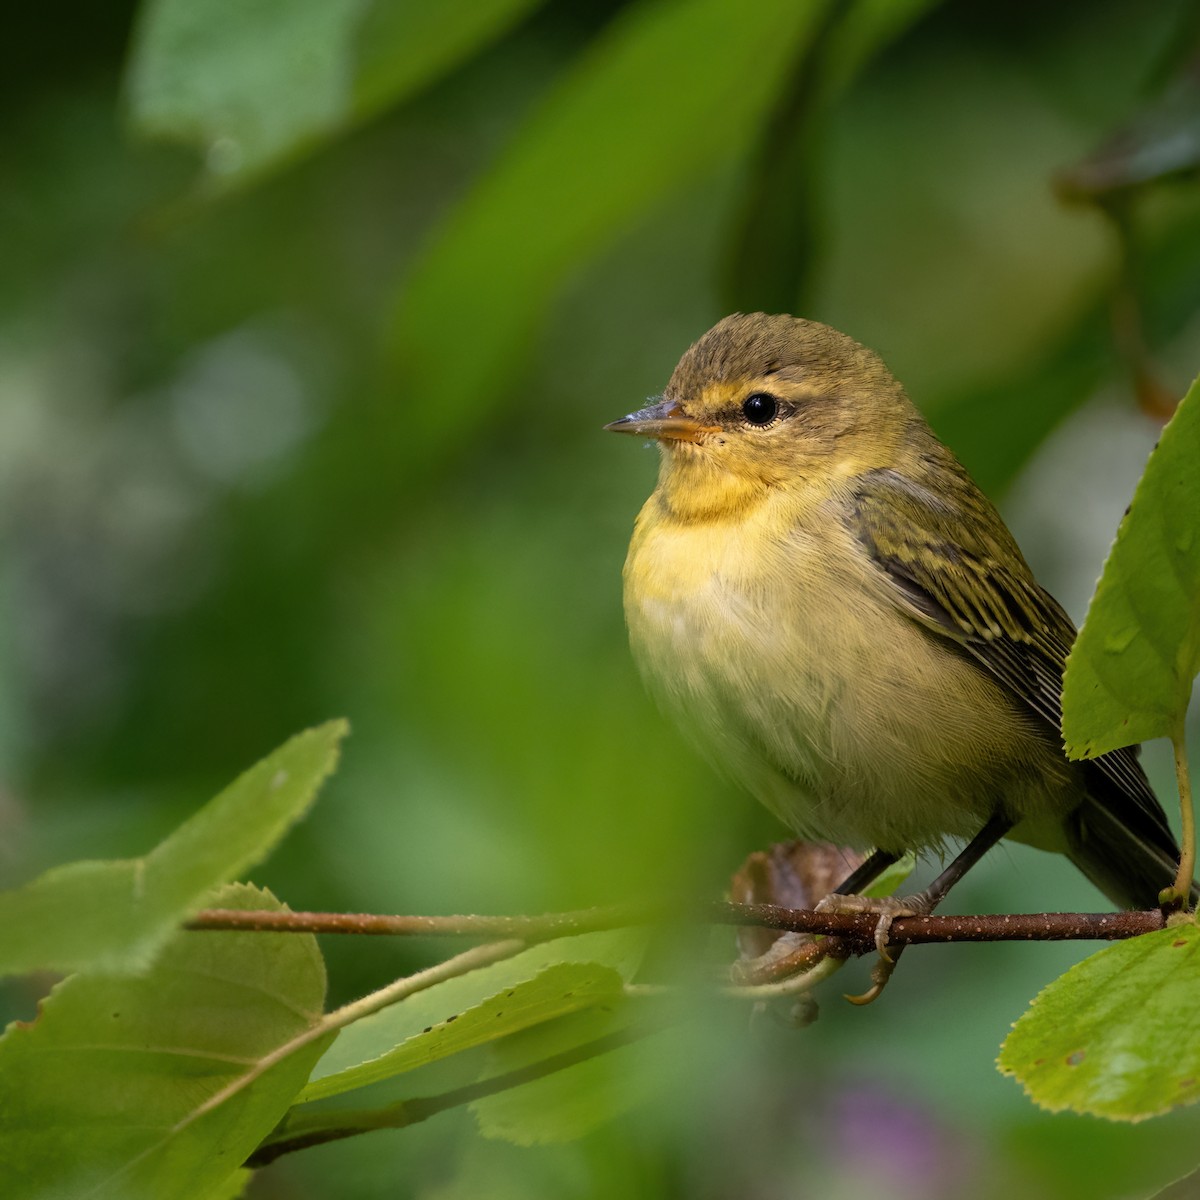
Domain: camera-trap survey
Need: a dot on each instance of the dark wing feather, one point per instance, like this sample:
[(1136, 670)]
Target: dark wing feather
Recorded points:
[(958, 570)]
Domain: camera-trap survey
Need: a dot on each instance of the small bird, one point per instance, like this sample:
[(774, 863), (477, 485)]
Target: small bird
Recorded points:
[(841, 622)]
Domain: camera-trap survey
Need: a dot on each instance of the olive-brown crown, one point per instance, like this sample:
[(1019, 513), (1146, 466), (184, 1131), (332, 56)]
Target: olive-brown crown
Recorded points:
[(778, 395), (786, 352), (754, 347)]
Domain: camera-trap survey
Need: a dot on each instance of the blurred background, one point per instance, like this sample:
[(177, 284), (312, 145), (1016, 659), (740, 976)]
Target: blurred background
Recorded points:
[(310, 316)]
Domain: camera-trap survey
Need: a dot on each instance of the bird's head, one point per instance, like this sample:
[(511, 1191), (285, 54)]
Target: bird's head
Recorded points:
[(763, 402)]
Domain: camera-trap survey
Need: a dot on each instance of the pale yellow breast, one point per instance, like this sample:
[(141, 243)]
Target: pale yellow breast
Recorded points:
[(780, 650)]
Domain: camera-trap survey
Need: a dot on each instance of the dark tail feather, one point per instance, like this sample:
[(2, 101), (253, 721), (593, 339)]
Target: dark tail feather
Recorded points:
[(1130, 861)]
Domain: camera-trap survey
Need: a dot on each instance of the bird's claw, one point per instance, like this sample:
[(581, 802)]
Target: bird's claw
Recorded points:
[(887, 908), (881, 972)]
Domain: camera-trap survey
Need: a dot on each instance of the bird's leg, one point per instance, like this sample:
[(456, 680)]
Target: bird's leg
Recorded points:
[(920, 904), (866, 872), (925, 902)]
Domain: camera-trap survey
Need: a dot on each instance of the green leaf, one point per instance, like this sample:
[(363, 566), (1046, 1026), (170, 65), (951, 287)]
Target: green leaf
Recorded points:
[(113, 916), (529, 988), (242, 81), (127, 1088), (1130, 673), (1187, 1187), (567, 1104), (251, 83), (671, 89), (893, 876), (1116, 1035), (230, 1188), (562, 988)]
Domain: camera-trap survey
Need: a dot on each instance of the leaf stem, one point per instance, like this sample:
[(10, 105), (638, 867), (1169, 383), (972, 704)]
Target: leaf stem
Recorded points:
[(1187, 857)]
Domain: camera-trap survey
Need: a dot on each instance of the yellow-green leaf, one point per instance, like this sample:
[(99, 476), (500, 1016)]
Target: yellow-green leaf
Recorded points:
[(113, 916), (1130, 673), (559, 989), (146, 1087), (566, 1104), (1116, 1036), (530, 988)]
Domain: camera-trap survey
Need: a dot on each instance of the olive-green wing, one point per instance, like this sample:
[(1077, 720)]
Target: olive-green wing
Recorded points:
[(956, 568)]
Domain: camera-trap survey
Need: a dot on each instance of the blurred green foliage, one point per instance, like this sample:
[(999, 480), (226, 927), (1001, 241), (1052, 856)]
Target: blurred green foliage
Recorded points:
[(324, 440)]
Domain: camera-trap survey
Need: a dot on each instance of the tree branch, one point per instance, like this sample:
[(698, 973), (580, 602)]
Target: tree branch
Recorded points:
[(857, 929)]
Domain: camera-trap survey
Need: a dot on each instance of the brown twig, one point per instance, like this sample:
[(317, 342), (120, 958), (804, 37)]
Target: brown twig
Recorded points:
[(542, 927), (855, 928)]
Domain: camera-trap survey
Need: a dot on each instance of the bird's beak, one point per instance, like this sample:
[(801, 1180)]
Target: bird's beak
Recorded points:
[(664, 421)]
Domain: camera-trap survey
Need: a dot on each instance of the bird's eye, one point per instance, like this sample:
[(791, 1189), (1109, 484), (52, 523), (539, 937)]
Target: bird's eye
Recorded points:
[(760, 409)]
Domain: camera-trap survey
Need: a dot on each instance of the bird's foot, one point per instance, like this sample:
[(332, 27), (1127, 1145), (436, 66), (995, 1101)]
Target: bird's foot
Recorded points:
[(887, 908)]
